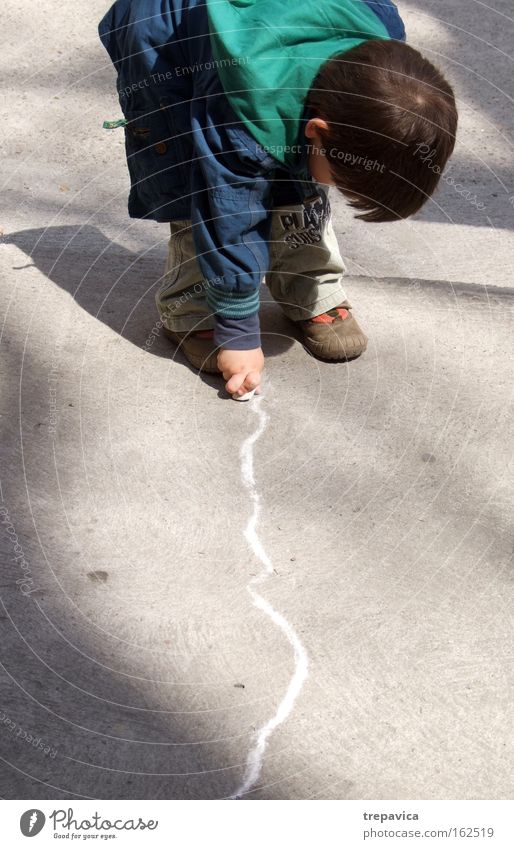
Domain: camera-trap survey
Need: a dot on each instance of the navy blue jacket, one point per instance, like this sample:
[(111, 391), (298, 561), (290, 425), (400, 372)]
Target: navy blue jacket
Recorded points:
[(189, 157)]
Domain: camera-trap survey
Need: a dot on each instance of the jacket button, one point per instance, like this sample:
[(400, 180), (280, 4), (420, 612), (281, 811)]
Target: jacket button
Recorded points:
[(161, 148)]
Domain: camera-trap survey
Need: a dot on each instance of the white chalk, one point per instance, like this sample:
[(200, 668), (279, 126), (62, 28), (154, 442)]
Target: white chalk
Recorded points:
[(255, 757), (245, 397)]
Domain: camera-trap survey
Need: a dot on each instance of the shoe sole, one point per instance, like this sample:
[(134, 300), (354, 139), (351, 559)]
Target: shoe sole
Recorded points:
[(350, 352)]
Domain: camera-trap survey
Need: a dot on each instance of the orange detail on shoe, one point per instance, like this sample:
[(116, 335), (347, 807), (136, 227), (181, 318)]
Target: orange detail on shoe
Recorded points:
[(326, 318), (342, 312)]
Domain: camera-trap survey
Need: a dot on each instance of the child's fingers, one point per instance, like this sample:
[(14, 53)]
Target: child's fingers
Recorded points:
[(251, 381), (235, 382)]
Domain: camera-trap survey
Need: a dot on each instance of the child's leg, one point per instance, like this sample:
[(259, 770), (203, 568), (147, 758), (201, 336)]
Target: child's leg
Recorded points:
[(306, 267), (181, 301), (305, 278), (181, 297)]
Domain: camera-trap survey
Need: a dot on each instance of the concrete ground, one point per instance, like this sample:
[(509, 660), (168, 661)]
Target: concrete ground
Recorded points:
[(134, 662)]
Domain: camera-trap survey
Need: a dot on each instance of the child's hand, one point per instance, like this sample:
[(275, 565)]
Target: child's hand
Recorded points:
[(241, 369)]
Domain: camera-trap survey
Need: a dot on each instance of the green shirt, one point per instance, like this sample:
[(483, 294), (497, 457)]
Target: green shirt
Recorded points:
[(268, 53)]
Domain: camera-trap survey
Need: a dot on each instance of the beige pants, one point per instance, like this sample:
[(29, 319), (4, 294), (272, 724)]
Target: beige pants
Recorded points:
[(305, 275)]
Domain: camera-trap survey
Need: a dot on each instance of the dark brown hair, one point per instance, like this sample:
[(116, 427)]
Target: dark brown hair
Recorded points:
[(388, 108)]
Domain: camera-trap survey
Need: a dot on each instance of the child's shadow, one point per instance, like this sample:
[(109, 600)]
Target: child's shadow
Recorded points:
[(118, 286)]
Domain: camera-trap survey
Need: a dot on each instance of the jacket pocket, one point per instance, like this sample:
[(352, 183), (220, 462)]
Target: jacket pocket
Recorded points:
[(157, 155)]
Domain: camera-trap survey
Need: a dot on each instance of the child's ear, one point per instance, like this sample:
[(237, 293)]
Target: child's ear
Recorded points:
[(314, 125)]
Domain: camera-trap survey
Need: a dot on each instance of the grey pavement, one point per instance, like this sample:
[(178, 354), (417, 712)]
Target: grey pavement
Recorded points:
[(134, 663)]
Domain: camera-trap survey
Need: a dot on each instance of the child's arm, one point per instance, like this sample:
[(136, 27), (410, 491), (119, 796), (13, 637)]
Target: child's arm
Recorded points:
[(231, 199)]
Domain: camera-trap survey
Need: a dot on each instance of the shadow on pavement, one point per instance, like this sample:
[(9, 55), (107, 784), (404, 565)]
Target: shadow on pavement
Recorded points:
[(117, 286)]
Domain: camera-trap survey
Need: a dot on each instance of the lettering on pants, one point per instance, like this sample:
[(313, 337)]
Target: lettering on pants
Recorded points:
[(305, 226)]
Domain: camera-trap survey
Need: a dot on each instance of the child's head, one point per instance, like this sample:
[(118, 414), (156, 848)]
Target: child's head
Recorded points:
[(384, 127)]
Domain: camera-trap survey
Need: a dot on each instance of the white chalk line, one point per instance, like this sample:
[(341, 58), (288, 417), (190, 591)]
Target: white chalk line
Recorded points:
[(255, 757)]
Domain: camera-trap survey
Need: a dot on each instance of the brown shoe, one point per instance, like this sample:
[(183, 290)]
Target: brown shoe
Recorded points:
[(197, 347), (334, 335)]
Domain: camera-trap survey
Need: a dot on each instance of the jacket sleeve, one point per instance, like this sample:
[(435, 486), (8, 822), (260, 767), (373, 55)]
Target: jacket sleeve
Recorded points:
[(231, 183), (388, 13)]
